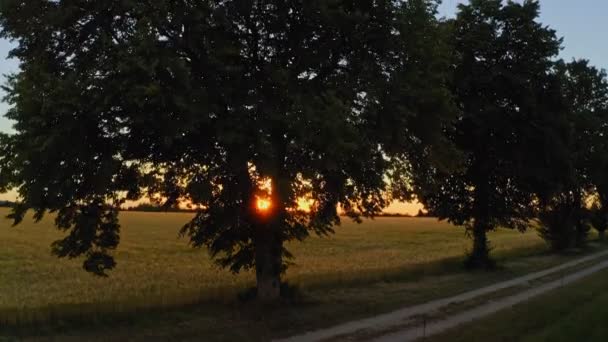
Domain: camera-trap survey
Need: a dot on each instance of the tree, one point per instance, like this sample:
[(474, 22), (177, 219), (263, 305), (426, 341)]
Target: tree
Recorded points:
[(565, 217), (503, 57), (592, 85), (599, 220), (6, 204), (600, 180), (243, 109)]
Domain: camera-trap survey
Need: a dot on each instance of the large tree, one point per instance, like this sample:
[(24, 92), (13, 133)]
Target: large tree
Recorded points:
[(579, 171), (241, 108), (589, 94), (503, 57)]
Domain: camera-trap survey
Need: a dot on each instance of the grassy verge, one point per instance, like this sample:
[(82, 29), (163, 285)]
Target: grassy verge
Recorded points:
[(457, 307), (575, 312)]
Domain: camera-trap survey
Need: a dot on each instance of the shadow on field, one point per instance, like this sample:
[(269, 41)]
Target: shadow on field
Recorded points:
[(326, 300)]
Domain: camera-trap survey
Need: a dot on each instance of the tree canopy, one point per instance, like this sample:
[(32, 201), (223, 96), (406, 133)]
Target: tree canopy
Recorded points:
[(271, 118), (579, 162), (221, 105), (503, 58)]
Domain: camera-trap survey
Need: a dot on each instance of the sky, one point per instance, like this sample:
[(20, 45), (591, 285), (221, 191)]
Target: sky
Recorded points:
[(581, 23)]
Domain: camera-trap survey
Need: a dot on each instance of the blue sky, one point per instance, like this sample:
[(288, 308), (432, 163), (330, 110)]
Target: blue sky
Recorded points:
[(6, 66), (582, 24)]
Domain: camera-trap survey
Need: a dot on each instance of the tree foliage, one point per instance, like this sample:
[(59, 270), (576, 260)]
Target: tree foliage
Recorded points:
[(503, 57), (306, 107), (217, 104), (579, 168)]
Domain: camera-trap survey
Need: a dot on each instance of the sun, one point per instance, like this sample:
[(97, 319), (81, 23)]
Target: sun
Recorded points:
[(263, 204)]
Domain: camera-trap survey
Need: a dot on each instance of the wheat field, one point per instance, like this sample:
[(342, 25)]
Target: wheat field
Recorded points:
[(156, 268)]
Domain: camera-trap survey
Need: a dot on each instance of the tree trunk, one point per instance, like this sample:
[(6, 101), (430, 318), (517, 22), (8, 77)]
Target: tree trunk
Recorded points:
[(581, 227), (480, 256), (268, 267), (269, 239)]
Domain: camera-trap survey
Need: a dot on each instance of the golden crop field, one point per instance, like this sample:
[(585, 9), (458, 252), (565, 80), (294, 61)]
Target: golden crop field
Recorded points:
[(156, 268)]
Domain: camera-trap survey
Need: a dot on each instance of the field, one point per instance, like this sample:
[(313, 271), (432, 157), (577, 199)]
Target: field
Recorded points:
[(575, 312), (361, 270)]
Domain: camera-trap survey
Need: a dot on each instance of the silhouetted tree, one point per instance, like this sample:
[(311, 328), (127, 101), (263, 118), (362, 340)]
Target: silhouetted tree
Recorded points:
[(579, 169), (593, 85), (219, 104), (599, 220), (503, 58), (600, 211), (6, 204)]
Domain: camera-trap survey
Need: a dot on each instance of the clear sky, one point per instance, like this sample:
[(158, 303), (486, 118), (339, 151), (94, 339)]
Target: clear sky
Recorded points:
[(582, 24), (6, 66)]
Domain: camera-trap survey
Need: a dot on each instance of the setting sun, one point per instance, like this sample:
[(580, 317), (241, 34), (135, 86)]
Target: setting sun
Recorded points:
[(263, 204)]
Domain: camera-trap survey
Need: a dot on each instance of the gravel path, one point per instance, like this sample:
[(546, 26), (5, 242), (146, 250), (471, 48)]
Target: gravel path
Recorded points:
[(398, 318), (487, 309)]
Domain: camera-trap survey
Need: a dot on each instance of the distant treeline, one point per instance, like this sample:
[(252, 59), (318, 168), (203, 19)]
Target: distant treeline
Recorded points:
[(6, 204), (155, 208), (394, 215), (420, 213)]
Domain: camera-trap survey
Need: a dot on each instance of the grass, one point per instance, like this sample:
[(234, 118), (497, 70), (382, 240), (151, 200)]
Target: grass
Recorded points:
[(577, 311), (162, 288)]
